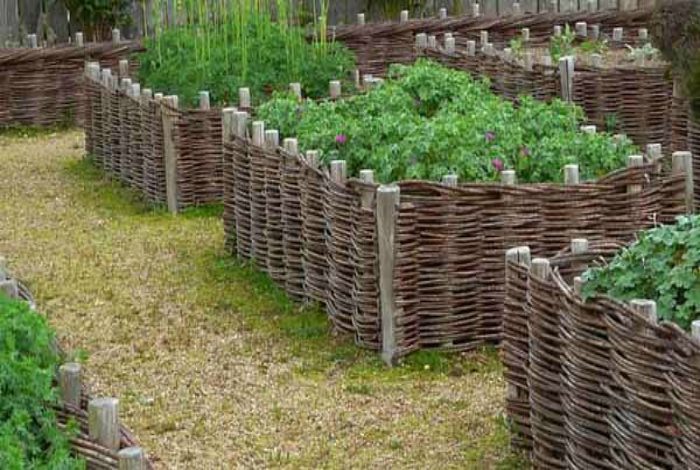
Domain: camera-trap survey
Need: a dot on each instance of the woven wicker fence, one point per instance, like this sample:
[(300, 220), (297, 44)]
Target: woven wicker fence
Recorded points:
[(44, 87), (100, 440), (600, 383), (169, 155), (381, 44), (416, 264)]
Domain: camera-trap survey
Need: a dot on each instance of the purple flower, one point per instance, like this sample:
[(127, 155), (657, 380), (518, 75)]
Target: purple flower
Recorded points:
[(489, 136), (497, 164), (524, 152), (341, 139)]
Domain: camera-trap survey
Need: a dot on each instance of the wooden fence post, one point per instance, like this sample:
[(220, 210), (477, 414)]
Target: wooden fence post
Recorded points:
[(103, 421), (131, 458), (571, 175), (581, 29), (244, 98), (227, 124), (123, 68), (518, 255), (170, 153), (566, 75), (647, 308), (595, 32), (634, 161), (69, 383), (617, 34), (32, 41), (682, 163), (540, 268), (403, 17), (387, 213), (295, 89), (334, 89), (79, 41), (471, 48), (442, 13), (516, 8), (367, 196), (421, 41), (695, 330), (116, 36), (360, 18), (449, 45), (204, 101)]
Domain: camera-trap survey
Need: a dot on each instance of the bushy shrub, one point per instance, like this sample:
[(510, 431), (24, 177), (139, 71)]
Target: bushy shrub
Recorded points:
[(29, 435), (663, 265), (427, 121)]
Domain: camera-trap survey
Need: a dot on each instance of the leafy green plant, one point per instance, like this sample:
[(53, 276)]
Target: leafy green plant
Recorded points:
[(220, 50), (646, 52), (29, 435), (663, 265), (594, 46), (426, 121), (611, 122), (517, 47), (562, 45)]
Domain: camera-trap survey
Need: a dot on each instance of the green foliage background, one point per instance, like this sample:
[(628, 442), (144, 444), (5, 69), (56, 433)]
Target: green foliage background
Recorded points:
[(428, 121), (29, 435)]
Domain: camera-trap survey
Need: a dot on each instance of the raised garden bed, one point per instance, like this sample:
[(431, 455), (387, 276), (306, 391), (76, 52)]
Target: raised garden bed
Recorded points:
[(416, 264), (595, 381)]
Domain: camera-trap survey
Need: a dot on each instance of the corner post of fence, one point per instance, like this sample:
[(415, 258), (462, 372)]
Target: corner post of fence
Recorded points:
[(69, 383), (204, 101), (116, 36), (387, 213), (519, 255), (361, 19), (131, 458), (571, 174), (682, 164), (334, 90), (103, 421), (244, 98), (442, 13), (170, 152), (566, 75), (79, 40)]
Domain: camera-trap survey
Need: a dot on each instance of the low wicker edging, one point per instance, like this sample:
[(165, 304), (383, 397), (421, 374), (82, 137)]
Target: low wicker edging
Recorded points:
[(101, 440), (44, 86), (597, 383), (417, 264)]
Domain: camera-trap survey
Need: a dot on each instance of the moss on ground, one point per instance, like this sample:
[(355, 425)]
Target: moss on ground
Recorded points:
[(213, 364)]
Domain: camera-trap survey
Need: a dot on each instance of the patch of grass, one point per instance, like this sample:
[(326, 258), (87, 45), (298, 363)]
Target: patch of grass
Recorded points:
[(105, 195), (493, 450), (203, 211), (359, 388), (25, 132)]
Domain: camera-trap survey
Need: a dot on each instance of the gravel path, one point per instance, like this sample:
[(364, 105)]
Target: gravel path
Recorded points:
[(214, 368)]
